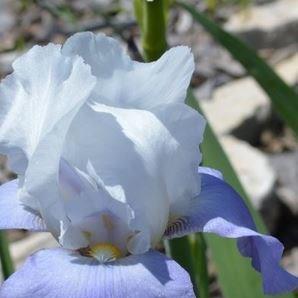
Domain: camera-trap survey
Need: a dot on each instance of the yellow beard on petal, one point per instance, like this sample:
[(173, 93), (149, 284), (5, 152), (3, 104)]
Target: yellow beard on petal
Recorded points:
[(102, 252)]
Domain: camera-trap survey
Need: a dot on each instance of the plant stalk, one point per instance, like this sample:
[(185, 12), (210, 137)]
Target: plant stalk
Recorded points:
[(153, 29), (199, 248), (151, 16), (6, 261)]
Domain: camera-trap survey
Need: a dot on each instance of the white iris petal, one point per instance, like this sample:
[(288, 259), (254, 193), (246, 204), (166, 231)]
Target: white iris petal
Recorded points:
[(108, 162), (38, 102)]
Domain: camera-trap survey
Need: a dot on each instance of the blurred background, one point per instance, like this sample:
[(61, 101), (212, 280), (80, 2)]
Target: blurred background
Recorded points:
[(261, 147)]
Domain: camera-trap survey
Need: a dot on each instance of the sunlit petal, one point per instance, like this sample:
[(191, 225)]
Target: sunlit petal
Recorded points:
[(39, 100), (126, 83)]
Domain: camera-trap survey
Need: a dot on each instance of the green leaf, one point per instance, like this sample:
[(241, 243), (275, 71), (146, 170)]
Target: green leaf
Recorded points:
[(284, 98), (6, 262), (236, 275)]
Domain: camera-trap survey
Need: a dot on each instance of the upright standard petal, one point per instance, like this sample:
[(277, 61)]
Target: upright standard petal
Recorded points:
[(129, 151), (150, 275), (154, 145), (39, 100), (220, 210), (187, 127), (13, 214), (130, 92), (41, 90), (130, 84)]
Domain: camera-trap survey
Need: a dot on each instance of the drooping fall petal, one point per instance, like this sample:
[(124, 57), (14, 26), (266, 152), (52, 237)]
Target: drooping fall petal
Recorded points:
[(63, 273), (220, 210), (13, 214)]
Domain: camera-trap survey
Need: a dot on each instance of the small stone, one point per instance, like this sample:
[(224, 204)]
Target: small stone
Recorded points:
[(184, 23), (7, 16), (243, 99), (252, 167), (286, 167), (290, 261), (6, 60), (274, 25), (264, 17), (22, 249), (233, 103)]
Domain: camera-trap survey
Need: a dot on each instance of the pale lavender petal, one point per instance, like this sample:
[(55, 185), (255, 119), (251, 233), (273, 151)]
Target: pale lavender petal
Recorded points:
[(220, 210), (13, 215), (63, 273)]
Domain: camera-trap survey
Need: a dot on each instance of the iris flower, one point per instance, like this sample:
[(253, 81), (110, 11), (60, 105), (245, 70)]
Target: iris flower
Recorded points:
[(107, 157)]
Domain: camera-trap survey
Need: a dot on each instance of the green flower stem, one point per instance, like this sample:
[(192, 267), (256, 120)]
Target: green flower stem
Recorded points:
[(6, 262), (200, 265), (153, 26), (189, 251)]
